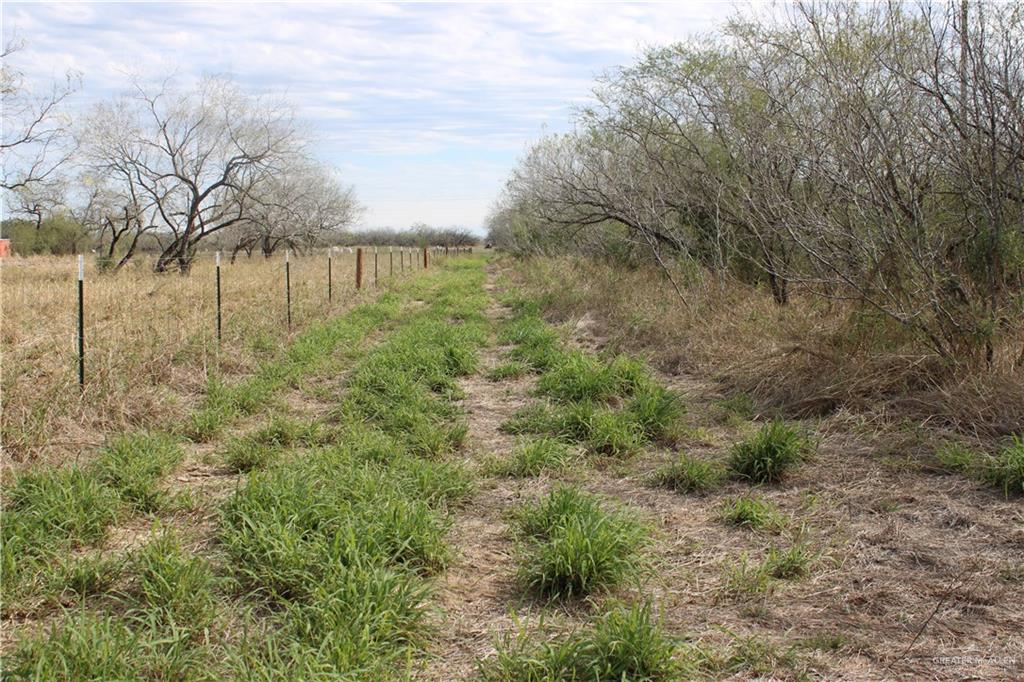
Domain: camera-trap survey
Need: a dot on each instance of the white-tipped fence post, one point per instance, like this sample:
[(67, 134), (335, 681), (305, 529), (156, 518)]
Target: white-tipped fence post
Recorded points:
[(288, 285), (81, 321), (217, 261)]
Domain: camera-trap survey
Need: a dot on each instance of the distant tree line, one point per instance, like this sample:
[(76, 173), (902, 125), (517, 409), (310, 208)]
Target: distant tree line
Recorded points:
[(871, 152), (419, 235)]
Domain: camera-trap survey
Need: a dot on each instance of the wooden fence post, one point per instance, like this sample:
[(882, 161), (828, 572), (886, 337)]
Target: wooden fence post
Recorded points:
[(359, 268)]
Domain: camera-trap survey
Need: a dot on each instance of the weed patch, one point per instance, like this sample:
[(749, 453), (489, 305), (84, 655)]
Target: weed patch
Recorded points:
[(534, 457), (571, 545), (689, 474), (766, 456), (753, 513), (626, 643)]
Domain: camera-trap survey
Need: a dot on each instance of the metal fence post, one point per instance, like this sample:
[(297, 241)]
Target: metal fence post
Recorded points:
[(81, 322), (288, 284), (330, 292), (218, 299)]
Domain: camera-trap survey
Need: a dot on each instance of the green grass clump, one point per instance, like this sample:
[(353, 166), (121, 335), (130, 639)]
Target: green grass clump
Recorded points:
[(572, 546), (655, 409), (507, 370), (133, 465), (753, 512), (91, 647), (408, 386), (534, 457), (1004, 470), (791, 563), (244, 454), (285, 432), (626, 643), (766, 456), (957, 457), (49, 511), (536, 344), (171, 584), (86, 576), (746, 578), (578, 376), (615, 434), (45, 513), (688, 474)]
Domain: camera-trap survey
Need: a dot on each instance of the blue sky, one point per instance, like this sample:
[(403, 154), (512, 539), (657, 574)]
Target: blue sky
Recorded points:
[(423, 107)]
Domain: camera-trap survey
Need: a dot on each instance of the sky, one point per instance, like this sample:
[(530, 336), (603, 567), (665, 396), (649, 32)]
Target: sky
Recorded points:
[(424, 107)]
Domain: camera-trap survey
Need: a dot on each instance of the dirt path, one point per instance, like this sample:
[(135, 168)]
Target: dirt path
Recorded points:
[(478, 590)]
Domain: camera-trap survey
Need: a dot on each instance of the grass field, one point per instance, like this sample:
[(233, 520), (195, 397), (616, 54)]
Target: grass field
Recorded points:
[(150, 340), (454, 479)]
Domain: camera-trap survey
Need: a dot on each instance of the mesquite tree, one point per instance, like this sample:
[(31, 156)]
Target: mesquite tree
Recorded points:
[(872, 153), (198, 156), (300, 206)]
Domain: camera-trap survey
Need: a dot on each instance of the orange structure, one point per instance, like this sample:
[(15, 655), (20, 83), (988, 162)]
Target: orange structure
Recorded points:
[(5, 248)]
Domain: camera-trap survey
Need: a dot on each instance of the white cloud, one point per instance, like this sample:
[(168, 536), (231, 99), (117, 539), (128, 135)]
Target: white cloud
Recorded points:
[(424, 97)]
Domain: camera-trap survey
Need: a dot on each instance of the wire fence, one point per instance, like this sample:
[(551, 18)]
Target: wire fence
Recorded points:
[(74, 333)]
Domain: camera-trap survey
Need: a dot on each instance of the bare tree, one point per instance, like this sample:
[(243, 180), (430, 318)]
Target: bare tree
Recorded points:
[(34, 139), (198, 157), (302, 206)]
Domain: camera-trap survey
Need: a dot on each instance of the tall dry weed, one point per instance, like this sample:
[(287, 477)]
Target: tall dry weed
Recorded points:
[(809, 358), (150, 340)]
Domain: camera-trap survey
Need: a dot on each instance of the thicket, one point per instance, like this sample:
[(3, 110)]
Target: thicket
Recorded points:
[(854, 154)]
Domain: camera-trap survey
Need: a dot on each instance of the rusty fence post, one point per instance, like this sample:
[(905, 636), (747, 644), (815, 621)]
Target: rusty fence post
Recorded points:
[(359, 268)]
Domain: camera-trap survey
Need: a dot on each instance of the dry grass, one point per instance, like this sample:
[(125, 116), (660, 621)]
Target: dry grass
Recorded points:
[(150, 340), (808, 359)]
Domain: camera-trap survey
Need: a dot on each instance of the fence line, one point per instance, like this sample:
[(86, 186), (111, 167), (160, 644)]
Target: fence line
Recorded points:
[(219, 323)]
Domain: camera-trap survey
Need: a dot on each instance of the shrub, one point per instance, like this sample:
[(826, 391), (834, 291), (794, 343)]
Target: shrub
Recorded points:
[(766, 456)]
